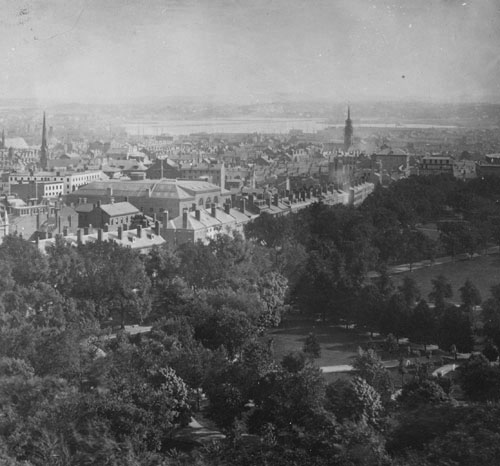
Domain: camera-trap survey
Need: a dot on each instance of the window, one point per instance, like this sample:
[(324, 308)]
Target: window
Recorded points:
[(200, 202)]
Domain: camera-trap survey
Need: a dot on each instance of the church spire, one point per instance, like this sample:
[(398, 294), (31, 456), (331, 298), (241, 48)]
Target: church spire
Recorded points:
[(348, 131), (44, 148)]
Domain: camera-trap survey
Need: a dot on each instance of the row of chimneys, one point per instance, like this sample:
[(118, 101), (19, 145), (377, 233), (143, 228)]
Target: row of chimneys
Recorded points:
[(89, 230), (197, 212), (83, 200)]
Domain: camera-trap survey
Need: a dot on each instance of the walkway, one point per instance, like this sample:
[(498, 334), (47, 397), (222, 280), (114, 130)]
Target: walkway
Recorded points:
[(401, 268), (348, 368)]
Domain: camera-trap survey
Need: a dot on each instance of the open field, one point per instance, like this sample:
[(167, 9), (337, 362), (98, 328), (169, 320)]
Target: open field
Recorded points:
[(338, 346), (484, 271)]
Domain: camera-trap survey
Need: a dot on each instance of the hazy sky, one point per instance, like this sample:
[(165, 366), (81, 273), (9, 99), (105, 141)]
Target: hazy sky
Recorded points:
[(250, 50)]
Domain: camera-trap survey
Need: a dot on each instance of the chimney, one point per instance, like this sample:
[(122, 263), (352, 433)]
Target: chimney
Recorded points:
[(156, 229), (126, 199), (214, 211), (120, 234), (111, 200), (90, 229), (79, 236), (275, 200), (85, 230), (99, 234), (227, 208), (197, 214), (165, 223), (139, 231), (65, 231), (148, 192), (105, 228), (184, 219), (109, 191), (38, 221), (69, 220), (268, 202), (98, 203), (243, 204), (154, 217), (250, 199), (59, 225)]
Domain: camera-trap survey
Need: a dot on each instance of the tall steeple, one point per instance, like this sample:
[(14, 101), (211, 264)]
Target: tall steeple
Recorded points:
[(3, 139), (348, 131), (44, 149)]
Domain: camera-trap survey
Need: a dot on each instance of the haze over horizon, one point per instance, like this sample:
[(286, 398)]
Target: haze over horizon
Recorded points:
[(235, 51)]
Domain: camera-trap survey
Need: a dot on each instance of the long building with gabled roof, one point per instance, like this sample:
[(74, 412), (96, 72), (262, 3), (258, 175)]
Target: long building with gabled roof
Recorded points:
[(153, 196)]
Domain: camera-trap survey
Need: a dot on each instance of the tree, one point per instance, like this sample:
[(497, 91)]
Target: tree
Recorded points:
[(395, 317), (409, 290), (454, 328), (491, 351), (28, 265), (370, 368), (115, 278), (224, 327), (479, 380), (226, 405), (423, 324), (369, 305), (422, 391), (441, 290), (312, 346), (470, 295), (355, 400), (294, 361)]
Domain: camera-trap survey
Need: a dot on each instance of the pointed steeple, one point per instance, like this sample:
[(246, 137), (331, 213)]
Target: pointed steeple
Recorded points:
[(348, 131), (44, 149)]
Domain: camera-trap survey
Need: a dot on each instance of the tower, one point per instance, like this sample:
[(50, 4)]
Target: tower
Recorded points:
[(348, 130), (44, 150), (3, 139)]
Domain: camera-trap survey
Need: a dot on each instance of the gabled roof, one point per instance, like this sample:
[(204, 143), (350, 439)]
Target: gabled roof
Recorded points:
[(166, 188), (119, 208)]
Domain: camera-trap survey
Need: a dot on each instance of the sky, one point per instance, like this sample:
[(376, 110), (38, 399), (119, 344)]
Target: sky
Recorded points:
[(249, 51)]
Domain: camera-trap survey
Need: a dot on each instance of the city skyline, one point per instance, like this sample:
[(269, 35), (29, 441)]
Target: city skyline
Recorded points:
[(239, 52)]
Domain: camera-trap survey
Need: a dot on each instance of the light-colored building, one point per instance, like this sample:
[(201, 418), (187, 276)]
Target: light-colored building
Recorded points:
[(72, 180), (435, 165), (37, 190)]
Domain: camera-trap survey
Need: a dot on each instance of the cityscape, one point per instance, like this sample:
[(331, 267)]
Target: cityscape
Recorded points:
[(250, 233)]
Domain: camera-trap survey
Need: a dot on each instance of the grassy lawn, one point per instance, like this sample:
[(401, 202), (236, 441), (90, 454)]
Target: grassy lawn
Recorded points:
[(338, 346), (484, 272)]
